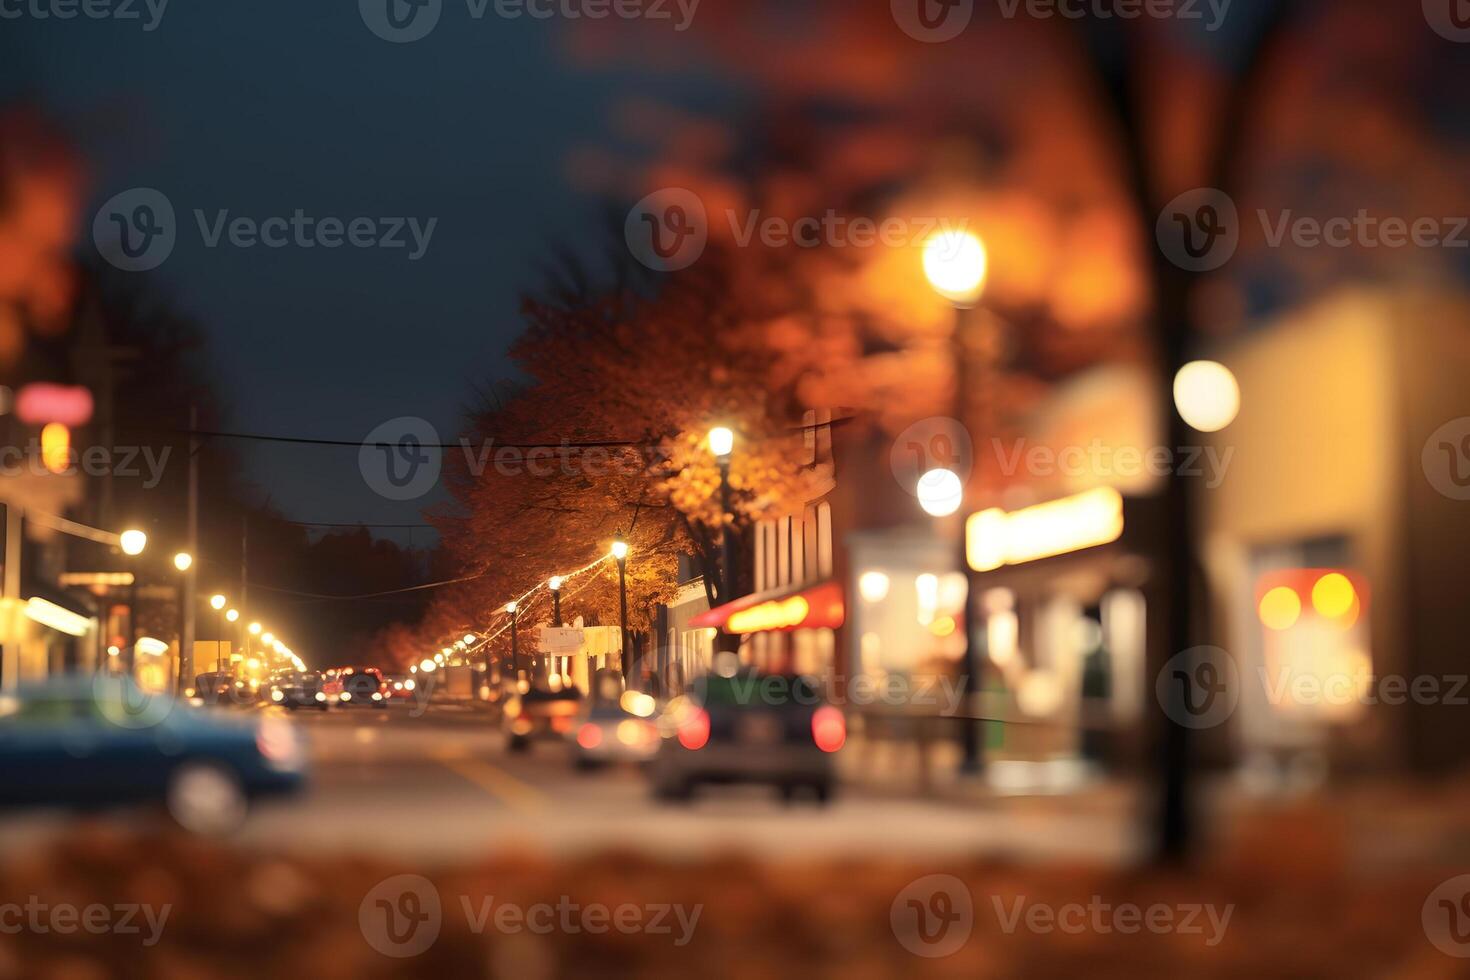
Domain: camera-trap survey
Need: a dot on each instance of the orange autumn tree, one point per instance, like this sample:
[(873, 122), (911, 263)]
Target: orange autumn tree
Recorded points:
[(607, 436)]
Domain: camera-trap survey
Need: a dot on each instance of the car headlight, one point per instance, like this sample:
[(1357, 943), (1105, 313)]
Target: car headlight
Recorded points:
[(346, 696), (321, 696)]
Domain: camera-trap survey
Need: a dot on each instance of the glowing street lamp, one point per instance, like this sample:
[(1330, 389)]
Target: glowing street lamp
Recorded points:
[(132, 541), (268, 638), (1206, 395), (254, 629), (469, 638), (217, 601), (232, 615), (555, 586), (620, 555), (955, 265), (940, 492), (182, 561), (721, 441)]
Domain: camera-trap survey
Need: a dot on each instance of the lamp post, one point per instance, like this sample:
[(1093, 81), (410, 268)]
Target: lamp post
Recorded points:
[(555, 586), (620, 555), (132, 542), (955, 265), (183, 561), (217, 602), (515, 655)]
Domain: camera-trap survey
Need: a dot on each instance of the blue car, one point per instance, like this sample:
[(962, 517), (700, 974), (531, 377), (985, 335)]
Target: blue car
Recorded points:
[(87, 742)]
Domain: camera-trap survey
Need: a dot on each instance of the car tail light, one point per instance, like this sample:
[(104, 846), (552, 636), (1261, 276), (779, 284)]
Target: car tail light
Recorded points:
[(589, 736), (829, 728), (276, 740), (694, 730)]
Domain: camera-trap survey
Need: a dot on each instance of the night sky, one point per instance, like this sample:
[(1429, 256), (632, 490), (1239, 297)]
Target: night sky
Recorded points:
[(268, 107)]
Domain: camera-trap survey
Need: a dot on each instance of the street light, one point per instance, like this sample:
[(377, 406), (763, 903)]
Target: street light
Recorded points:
[(268, 638), (555, 586), (721, 441), (620, 555), (254, 629), (956, 265), (1206, 395), (232, 615), (217, 601), (515, 653), (940, 492), (183, 560), (132, 541)]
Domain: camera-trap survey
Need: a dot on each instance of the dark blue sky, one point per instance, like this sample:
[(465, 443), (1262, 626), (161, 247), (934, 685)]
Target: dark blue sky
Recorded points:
[(267, 107)]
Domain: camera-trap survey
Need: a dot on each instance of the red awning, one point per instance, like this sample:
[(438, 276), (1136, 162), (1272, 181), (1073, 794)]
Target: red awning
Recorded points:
[(780, 610)]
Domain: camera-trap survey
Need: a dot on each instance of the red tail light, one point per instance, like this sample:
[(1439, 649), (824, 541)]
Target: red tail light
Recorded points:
[(589, 736), (694, 731), (829, 728)]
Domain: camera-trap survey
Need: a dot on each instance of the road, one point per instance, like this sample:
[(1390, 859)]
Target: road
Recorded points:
[(441, 786)]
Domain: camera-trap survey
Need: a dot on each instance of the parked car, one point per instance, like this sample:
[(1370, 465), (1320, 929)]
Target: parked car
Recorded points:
[(214, 687), (749, 728), (298, 689), (401, 687), (613, 731), (87, 742), (361, 687), (539, 713)]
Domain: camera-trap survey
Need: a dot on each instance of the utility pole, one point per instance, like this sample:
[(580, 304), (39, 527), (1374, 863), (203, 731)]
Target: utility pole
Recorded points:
[(10, 652), (186, 635)]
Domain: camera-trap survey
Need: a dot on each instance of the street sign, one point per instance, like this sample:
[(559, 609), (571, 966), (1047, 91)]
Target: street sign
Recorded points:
[(95, 578), (560, 641)]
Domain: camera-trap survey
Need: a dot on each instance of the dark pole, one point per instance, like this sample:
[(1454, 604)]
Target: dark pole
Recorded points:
[(515, 656), (727, 552), (971, 758), (627, 653), (556, 606)]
